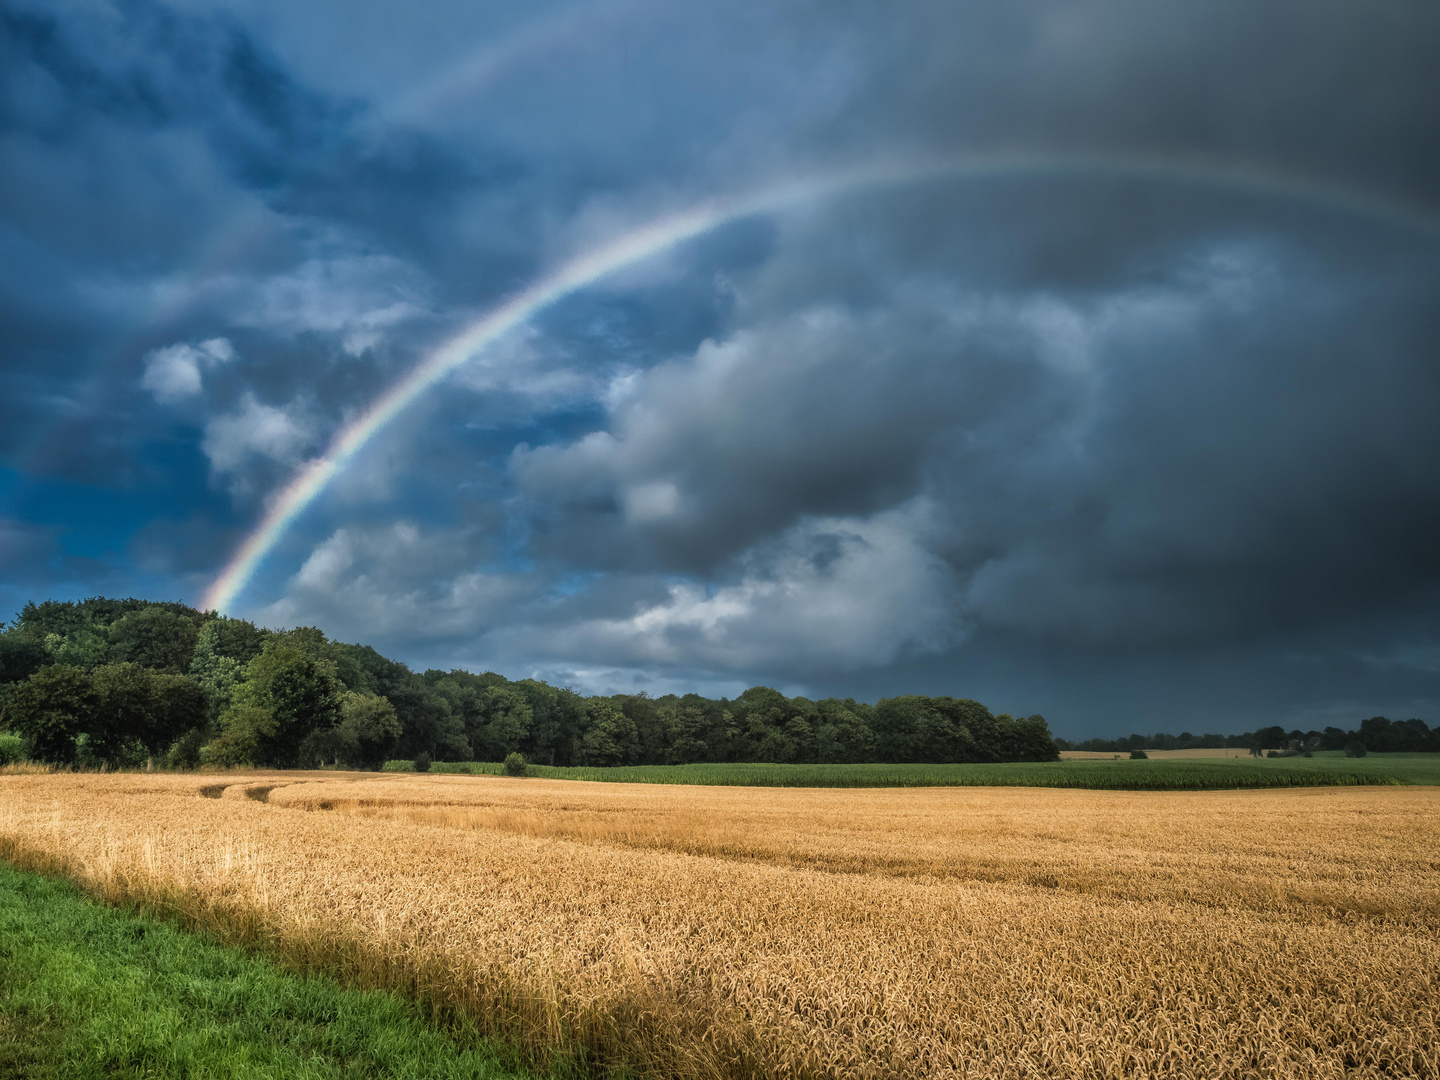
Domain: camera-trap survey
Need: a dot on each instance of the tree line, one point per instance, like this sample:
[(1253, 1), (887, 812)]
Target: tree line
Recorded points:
[(1378, 734), (121, 683)]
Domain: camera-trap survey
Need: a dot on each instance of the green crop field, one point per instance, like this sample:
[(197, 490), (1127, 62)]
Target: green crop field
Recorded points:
[(1409, 768), (1325, 769), (91, 991)]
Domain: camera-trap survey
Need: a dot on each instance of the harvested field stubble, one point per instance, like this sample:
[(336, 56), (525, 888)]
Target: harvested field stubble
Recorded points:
[(762, 932)]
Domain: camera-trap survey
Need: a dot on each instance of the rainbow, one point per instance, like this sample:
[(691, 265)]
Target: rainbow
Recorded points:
[(656, 237)]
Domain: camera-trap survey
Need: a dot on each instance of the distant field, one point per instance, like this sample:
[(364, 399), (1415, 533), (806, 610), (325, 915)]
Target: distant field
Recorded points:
[(1194, 774), (740, 933), (1410, 768), (1157, 755)]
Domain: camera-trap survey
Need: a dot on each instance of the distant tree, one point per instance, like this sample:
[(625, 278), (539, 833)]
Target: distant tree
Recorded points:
[(154, 637), (764, 717), (50, 710), (372, 673), (801, 736), (722, 731), (1355, 748), (685, 725), (1031, 741), (842, 736), (214, 669), (1382, 735), (236, 639), (21, 655), (608, 736), (367, 732), (958, 729), (243, 731), (427, 722), (502, 723), (126, 705), (180, 706), (51, 617), (280, 697), (301, 694), (514, 765), (85, 646), (1138, 755), (652, 721), (1271, 737), (944, 729), (896, 723), (187, 751), (556, 715)]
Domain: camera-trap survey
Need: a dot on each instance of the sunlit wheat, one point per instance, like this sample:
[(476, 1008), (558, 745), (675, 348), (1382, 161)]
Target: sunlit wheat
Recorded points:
[(748, 932)]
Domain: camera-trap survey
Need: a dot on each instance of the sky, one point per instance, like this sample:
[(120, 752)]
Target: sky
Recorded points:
[(1081, 358)]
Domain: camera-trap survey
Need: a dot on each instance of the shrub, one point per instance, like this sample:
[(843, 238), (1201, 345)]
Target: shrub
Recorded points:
[(185, 754), (422, 762), (1355, 748), (242, 728), (1139, 755), (12, 748), (515, 764)]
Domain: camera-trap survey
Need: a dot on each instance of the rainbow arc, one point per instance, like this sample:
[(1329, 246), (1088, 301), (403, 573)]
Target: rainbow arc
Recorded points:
[(654, 238)]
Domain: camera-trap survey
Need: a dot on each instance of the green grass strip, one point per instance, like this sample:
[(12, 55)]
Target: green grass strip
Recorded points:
[(91, 991), (1196, 774)]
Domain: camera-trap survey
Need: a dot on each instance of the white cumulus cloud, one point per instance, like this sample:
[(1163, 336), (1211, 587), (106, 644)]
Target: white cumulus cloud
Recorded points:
[(257, 430), (174, 373), (840, 590)]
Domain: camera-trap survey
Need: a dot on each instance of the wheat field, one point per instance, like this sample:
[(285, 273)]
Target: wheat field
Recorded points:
[(756, 932)]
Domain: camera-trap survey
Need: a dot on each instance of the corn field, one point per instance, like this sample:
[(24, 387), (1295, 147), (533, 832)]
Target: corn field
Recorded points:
[(762, 932)]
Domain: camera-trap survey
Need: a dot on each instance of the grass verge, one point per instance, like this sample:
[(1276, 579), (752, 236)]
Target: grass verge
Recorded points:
[(1181, 775), (92, 991)]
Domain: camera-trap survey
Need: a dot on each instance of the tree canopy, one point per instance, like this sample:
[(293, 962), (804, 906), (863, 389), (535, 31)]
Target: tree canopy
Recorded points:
[(120, 682)]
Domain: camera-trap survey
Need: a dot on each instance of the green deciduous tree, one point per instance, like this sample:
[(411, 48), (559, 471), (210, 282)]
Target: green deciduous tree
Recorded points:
[(137, 707), (22, 653), (502, 723), (608, 736), (222, 649), (686, 727), (1031, 741), (50, 710), (842, 736), (366, 734), (125, 705), (154, 637), (85, 646), (301, 694), (244, 729)]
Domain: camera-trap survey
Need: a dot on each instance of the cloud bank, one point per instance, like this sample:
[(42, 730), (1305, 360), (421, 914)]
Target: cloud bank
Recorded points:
[(1133, 450)]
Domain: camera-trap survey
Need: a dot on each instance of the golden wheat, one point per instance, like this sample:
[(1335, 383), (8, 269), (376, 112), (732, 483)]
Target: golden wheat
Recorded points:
[(728, 932)]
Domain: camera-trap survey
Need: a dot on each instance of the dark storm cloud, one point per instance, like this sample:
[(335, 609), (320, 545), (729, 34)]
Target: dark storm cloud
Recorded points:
[(1142, 415), (1322, 87), (1238, 444), (825, 412)]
